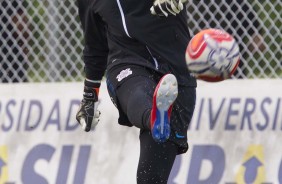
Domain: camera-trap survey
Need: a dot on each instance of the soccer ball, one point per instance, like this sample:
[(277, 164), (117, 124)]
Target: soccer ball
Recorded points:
[(212, 55)]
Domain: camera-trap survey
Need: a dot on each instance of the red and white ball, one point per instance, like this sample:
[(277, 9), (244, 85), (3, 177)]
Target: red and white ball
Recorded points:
[(212, 55)]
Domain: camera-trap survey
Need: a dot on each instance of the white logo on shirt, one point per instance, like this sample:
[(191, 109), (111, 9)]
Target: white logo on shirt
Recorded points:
[(123, 74)]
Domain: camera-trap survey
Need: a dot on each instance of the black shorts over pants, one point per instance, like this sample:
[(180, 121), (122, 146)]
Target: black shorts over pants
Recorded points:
[(131, 89)]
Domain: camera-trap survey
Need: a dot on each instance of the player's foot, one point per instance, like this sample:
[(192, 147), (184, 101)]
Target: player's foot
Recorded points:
[(164, 96)]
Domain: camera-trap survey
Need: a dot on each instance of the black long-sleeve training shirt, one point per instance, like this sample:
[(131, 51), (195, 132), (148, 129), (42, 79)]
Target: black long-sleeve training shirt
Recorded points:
[(125, 32)]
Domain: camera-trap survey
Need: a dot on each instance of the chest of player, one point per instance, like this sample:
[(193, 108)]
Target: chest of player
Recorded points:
[(131, 18)]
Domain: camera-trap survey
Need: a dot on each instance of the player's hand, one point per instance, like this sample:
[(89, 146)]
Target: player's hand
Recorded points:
[(88, 115), (167, 7)]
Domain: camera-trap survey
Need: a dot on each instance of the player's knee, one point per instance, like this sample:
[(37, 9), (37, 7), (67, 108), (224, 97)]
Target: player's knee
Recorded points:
[(138, 109)]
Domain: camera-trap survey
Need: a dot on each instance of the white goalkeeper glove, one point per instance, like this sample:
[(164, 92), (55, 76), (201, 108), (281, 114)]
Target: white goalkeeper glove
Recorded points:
[(167, 7), (88, 115)]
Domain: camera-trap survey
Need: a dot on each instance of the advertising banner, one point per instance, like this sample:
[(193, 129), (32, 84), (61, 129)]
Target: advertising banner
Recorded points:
[(234, 137)]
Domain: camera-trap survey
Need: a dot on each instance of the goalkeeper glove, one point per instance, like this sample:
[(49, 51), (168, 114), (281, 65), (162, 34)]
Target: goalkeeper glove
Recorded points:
[(88, 115), (167, 7)]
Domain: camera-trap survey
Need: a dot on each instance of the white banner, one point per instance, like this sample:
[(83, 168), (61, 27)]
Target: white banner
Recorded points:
[(234, 137), (235, 134)]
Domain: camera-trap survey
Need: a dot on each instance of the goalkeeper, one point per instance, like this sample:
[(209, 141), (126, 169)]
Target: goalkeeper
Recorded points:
[(141, 44)]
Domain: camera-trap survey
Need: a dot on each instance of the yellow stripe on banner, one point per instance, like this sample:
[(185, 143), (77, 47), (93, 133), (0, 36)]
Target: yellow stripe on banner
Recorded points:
[(3, 164), (252, 170)]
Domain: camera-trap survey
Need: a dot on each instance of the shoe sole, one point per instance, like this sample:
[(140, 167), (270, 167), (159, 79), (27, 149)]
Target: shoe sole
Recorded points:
[(165, 94)]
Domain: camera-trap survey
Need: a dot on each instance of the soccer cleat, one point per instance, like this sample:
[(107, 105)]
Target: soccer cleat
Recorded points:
[(164, 96)]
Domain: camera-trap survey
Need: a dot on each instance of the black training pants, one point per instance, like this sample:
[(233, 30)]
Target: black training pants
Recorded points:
[(131, 88)]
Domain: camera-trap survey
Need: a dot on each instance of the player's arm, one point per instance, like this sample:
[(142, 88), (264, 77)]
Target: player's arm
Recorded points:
[(95, 59)]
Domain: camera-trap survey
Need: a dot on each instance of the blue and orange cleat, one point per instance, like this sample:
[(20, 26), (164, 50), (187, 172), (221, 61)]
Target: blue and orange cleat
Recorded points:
[(164, 96)]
